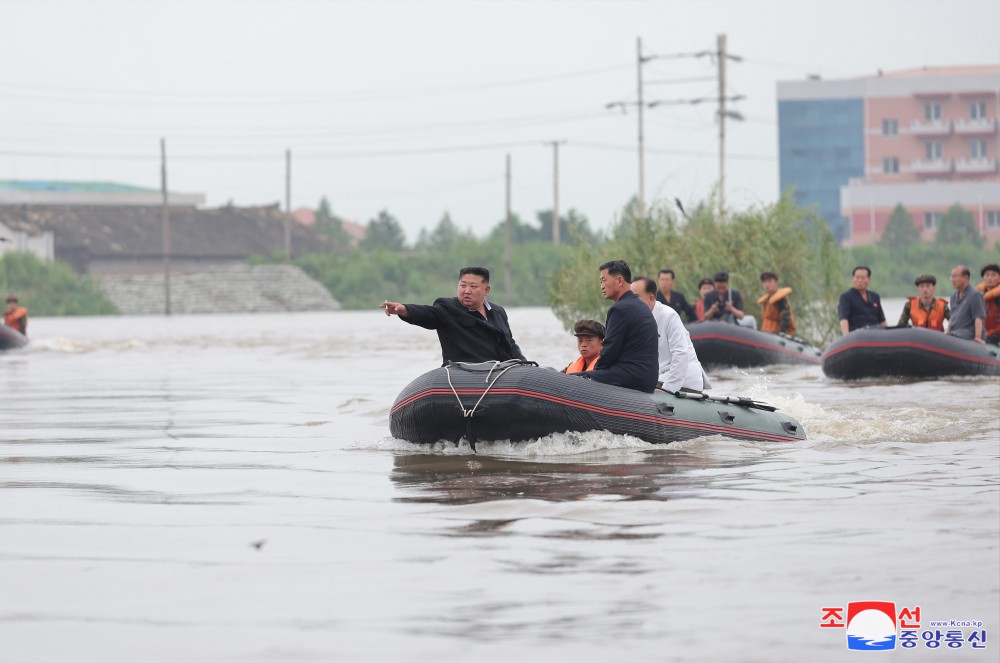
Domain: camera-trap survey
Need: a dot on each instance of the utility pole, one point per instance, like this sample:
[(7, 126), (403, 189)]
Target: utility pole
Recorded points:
[(642, 167), (721, 56), (555, 191), (288, 204), (507, 285), (165, 222)]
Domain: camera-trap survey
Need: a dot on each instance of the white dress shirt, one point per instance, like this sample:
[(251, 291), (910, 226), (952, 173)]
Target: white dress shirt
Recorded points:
[(679, 365)]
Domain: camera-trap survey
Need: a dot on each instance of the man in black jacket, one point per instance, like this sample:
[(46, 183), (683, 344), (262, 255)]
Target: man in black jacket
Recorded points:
[(672, 298), (469, 328), (629, 357)]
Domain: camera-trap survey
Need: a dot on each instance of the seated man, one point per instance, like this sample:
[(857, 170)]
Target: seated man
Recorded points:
[(679, 365), (777, 313), (629, 356), (860, 307), (589, 341), (15, 316), (673, 298), (968, 308), (469, 328), (723, 304), (990, 287), (925, 310)]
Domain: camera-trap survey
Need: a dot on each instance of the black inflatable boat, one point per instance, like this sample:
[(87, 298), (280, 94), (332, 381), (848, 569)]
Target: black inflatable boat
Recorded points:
[(10, 338), (907, 352), (726, 344), (521, 401)]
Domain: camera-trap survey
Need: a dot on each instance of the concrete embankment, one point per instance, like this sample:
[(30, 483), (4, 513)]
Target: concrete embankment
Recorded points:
[(230, 289)]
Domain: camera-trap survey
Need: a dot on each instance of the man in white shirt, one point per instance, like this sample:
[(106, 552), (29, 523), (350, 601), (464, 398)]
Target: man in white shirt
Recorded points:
[(679, 365)]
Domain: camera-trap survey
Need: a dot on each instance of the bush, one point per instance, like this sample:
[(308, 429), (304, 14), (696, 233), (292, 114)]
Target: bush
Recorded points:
[(50, 288)]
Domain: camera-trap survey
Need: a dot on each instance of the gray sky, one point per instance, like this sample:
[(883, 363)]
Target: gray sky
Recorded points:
[(412, 106)]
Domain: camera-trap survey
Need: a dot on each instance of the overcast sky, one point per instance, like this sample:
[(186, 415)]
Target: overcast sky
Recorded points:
[(412, 106)]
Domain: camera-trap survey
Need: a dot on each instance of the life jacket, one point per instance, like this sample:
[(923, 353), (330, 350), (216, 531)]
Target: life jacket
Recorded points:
[(699, 310), (921, 318), (577, 366), (18, 319), (992, 296), (771, 317)]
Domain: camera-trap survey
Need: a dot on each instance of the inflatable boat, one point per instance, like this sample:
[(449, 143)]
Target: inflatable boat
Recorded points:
[(521, 401), (907, 352), (726, 344), (10, 338)]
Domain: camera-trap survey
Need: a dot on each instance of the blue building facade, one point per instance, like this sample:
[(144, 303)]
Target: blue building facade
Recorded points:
[(821, 146)]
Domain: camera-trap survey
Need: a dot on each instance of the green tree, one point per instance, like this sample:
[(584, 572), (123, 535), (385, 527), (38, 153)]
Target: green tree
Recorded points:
[(332, 226), (520, 232), (384, 233), (572, 227), (51, 287), (958, 226), (900, 231)]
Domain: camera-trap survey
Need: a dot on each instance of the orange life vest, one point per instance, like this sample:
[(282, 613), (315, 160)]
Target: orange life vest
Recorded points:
[(992, 296), (577, 366), (921, 318), (18, 319), (699, 310), (771, 317)]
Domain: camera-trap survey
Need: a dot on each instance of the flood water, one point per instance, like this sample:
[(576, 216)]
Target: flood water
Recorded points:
[(224, 488)]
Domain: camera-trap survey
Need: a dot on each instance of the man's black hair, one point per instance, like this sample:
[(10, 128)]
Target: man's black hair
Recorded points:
[(668, 271), (618, 268), (925, 278), (476, 271), (992, 267), (648, 284), (864, 267), (768, 275)]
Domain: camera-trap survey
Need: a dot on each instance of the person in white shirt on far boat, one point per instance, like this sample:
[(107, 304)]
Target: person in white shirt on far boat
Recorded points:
[(679, 365)]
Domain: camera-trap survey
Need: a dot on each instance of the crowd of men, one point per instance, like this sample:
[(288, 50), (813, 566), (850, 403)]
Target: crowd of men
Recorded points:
[(643, 343)]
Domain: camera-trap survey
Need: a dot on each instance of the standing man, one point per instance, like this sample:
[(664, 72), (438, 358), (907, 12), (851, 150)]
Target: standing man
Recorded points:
[(968, 309), (469, 328), (723, 304), (679, 366), (776, 310), (860, 307), (15, 316), (925, 310), (629, 356), (990, 287), (674, 300)]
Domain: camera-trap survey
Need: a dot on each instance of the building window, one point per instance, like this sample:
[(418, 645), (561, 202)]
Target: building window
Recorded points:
[(932, 111), (979, 149), (977, 110), (890, 127), (890, 165), (993, 219), (930, 220), (933, 149)]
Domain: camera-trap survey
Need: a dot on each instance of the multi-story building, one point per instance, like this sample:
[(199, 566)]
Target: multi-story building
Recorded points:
[(926, 139)]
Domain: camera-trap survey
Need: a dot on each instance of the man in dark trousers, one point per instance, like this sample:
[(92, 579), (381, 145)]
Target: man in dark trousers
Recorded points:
[(860, 307), (469, 328), (630, 356), (670, 297)]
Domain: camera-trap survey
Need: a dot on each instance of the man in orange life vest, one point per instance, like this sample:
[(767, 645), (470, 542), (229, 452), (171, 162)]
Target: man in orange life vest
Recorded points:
[(777, 313), (990, 287), (589, 340), (925, 310), (16, 316)]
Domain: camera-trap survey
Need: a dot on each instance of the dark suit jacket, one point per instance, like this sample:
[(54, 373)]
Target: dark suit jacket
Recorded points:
[(464, 334), (630, 357), (859, 313), (678, 303)]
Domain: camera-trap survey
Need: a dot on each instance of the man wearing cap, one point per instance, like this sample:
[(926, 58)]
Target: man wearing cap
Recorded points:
[(705, 286), (15, 316), (860, 307), (589, 340), (925, 310), (670, 297), (725, 304), (469, 328), (990, 287), (629, 355), (968, 308), (679, 366)]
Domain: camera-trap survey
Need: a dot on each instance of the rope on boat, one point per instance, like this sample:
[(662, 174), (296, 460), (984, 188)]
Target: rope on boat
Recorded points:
[(493, 366)]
